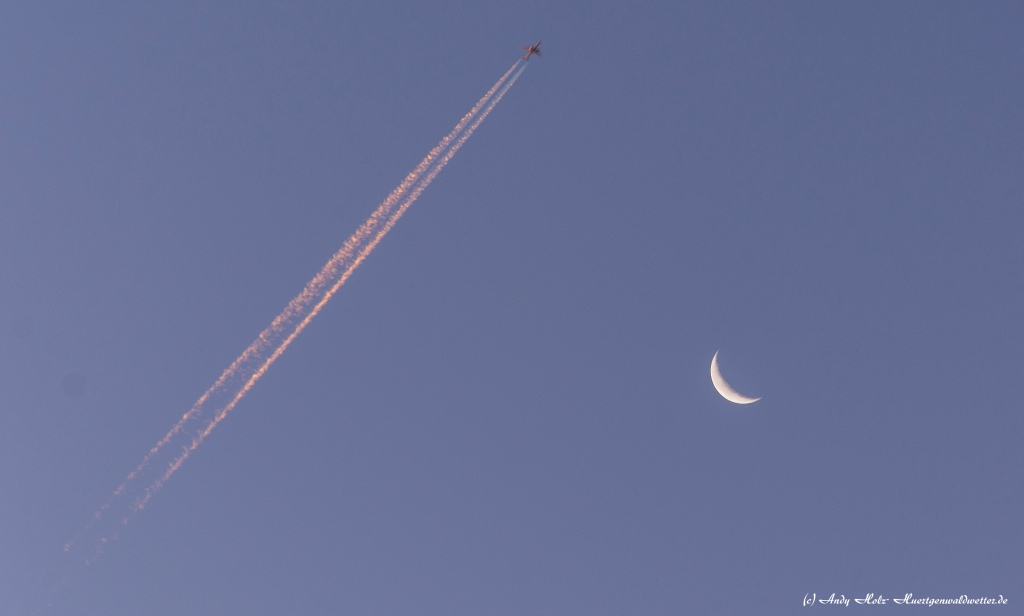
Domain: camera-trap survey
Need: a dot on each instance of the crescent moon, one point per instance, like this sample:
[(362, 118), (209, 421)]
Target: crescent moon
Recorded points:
[(723, 388)]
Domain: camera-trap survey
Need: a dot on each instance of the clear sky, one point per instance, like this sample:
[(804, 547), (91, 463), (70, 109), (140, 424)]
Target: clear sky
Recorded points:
[(508, 408)]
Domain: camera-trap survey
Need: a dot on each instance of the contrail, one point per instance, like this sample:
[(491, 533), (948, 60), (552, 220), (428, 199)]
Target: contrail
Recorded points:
[(154, 487), (236, 381), (313, 288)]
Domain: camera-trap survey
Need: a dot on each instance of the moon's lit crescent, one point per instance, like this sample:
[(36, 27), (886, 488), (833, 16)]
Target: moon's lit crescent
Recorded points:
[(723, 388)]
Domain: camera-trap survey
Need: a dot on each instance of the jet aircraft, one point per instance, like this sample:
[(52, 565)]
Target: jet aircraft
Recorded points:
[(532, 49)]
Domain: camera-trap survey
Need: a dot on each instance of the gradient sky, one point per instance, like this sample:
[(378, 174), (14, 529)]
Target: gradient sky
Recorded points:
[(508, 409)]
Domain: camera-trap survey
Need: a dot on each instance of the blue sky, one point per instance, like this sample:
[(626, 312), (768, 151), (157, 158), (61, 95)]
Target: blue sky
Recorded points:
[(507, 409)]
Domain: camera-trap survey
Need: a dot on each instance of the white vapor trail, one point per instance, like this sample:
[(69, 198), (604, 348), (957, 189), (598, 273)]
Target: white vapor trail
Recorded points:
[(326, 296), (132, 495)]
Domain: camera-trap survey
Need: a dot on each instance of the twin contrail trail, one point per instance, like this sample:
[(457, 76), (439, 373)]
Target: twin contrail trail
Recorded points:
[(163, 460)]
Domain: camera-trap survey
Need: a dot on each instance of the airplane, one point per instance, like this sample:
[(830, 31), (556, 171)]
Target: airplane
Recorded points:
[(532, 49)]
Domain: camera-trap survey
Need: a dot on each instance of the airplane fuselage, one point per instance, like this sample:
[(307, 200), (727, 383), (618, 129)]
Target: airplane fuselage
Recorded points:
[(531, 49)]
